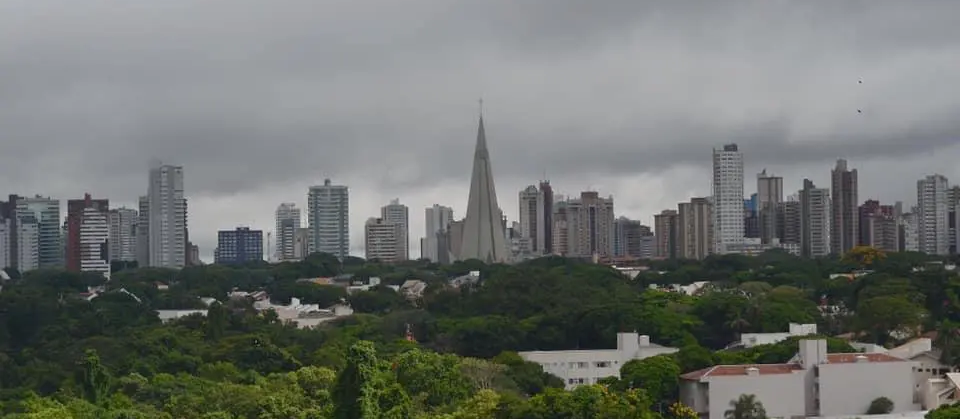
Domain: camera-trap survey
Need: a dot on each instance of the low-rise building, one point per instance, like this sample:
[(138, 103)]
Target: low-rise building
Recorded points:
[(815, 384), (578, 367), (749, 340)]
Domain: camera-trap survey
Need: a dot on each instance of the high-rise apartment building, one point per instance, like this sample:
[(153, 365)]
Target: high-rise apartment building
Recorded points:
[(545, 200), (143, 231), (529, 221), (727, 198), (381, 240), (88, 235), (5, 225), (589, 223), (632, 239), (953, 202), (288, 220), (751, 217), (397, 213), (301, 243), (909, 229), (665, 227), (28, 251), (124, 226), (166, 217), (815, 220), (845, 224), (46, 214), (932, 215), (789, 224), (695, 229), (8, 213), (769, 198), (328, 216), (437, 221), (240, 245)]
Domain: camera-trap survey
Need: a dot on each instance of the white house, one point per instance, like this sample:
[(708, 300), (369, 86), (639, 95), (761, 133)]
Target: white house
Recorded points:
[(578, 367), (749, 340), (815, 384)]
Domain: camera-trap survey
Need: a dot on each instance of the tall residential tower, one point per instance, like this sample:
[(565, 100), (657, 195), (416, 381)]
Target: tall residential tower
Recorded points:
[(328, 214), (727, 198)]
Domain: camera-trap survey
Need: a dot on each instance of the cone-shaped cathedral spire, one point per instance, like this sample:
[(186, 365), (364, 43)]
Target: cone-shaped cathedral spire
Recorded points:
[(483, 234)]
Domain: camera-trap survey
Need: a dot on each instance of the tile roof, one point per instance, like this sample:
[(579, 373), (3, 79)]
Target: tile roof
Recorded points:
[(767, 369), (851, 358), (721, 370)]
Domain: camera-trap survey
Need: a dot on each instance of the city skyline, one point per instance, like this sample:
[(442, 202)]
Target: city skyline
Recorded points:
[(630, 108)]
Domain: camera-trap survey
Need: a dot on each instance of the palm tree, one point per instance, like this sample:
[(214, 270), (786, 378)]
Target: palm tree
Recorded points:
[(746, 407)]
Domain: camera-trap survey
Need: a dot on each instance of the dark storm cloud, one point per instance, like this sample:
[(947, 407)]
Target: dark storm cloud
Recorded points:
[(251, 94)]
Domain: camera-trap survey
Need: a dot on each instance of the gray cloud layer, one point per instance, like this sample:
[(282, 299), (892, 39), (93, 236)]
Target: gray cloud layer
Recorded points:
[(259, 99)]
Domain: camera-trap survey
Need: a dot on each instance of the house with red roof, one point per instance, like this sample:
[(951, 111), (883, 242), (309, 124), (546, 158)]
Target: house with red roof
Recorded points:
[(813, 384)]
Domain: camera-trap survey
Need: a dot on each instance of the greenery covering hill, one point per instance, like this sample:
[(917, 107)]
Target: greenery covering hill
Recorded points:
[(66, 357)]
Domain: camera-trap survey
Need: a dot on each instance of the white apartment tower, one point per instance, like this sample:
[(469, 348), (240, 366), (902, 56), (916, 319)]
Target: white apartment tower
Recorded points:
[(397, 213), (932, 220), (28, 251), (328, 214), (590, 225), (166, 217), (94, 239), (123, 234), (815, 220), (381, 240), (45, 212), (288, 222), (437, 222), (727, 198)]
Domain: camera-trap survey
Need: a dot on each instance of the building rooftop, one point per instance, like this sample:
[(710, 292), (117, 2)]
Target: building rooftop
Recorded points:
[(762, 369), (767, 369)]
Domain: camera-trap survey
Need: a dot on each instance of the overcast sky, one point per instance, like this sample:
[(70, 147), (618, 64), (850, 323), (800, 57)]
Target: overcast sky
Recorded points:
[(258, 100)]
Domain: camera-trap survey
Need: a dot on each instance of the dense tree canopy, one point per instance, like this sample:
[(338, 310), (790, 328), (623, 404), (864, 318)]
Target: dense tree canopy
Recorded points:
[(66, 355)]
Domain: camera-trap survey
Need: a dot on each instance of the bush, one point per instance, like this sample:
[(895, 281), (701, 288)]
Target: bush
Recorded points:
[(880, 406)]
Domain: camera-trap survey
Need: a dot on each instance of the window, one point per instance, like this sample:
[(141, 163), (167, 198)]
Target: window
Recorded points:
[(602, 364)]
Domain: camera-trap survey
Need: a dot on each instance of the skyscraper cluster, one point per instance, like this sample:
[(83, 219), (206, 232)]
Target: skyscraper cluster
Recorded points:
[(93, 235), (814, 222)]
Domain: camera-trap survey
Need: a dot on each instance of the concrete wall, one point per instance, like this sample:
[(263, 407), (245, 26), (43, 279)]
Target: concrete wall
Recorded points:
[(849, 388), (781, 394)]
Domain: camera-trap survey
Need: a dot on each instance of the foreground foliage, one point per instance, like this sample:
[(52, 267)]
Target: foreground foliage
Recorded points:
[(110, 357)]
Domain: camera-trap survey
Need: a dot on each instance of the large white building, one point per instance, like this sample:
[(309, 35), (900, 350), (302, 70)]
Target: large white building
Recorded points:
[(328, 216), (382, 240), (577, 367), (93, 240), (45, 212), (28, 236), (123, 234), (815, 223), (166, 218), (932, 215), (728, 228), (397, 213), (437, 221), (288, 222), (814, 384)]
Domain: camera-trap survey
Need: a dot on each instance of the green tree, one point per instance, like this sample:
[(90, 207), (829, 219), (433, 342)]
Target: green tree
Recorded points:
[(93, 378), (658, 375), (880, 406), (746, 407)]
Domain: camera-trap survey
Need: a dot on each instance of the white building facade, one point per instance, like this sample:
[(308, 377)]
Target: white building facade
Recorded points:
[(166, 218), (397, 213), (382, 240), (28, 252), (94, 239), (437, 221), (328, 216), (579, 367), (45, 212), (727, 199), (816, 384), (932, 215)]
